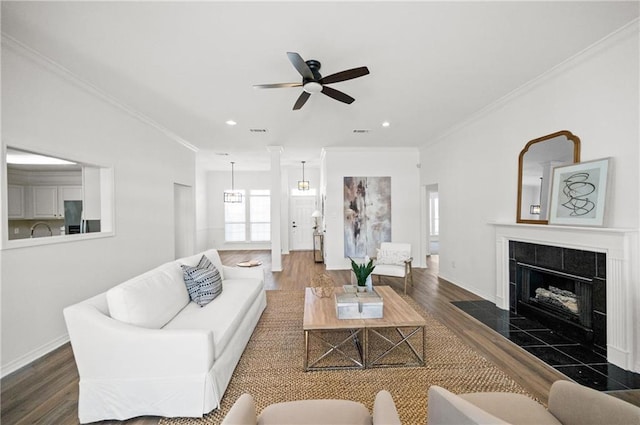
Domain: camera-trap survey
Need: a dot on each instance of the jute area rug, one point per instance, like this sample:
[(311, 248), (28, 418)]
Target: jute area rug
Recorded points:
[(271, 368)]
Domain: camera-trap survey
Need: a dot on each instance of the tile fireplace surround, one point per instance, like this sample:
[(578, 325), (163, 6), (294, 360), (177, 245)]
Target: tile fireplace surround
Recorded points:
[(623, 288)]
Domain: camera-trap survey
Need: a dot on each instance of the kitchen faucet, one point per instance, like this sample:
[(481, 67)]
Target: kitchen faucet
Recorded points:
[(38, 224)]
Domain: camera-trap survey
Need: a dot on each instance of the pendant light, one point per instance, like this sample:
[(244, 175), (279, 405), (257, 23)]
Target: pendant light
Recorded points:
[(232, 196), (303, 184)]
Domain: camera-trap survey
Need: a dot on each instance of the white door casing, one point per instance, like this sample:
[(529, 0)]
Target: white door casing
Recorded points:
[(183, 220)]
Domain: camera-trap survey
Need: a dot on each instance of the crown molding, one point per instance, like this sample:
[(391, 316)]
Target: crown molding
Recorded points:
[(383, 149), (626, 31), (53, 66)]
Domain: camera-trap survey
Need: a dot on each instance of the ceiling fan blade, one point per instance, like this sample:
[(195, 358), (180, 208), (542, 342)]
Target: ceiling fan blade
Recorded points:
[(276, 86), (337, 95), (345, 75), (300, 65), (301, 100)]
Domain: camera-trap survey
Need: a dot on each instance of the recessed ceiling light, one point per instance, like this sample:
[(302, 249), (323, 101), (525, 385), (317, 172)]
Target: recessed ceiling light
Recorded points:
[(386, 124), (231, 122)]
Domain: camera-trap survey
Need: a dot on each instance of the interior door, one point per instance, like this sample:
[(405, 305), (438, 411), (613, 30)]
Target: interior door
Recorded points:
[(301, 226)]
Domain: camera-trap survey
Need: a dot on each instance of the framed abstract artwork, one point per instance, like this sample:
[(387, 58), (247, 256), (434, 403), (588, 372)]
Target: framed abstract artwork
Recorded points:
[(578, 193), (367, 215)]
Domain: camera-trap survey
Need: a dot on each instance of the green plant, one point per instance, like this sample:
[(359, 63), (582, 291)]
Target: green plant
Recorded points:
[(362, 271)]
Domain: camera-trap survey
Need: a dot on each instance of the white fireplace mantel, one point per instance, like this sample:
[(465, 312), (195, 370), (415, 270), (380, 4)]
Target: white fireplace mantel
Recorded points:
[(623, 292)]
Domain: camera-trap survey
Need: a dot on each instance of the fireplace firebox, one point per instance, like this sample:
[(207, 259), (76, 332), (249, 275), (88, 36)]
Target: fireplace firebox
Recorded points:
[(561, 288)]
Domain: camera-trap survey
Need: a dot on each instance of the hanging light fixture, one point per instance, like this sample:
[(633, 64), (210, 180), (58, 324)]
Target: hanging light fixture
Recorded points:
[(232, 196), (303, 184)]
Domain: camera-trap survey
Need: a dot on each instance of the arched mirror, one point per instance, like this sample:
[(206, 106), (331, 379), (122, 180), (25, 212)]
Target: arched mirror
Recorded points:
[(535, 168)]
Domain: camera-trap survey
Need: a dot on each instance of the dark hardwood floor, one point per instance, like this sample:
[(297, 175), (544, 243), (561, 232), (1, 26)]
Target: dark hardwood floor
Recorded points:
[(46, 391)]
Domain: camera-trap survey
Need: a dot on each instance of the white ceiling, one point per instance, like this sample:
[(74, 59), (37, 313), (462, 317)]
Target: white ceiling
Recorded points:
[(190, 66)]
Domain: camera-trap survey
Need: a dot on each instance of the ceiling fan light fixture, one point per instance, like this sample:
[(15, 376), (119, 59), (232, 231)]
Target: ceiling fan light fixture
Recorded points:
[(312, 87)]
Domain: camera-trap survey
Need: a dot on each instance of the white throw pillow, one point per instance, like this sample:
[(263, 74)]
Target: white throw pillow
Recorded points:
[(150, 300), (396, 258)]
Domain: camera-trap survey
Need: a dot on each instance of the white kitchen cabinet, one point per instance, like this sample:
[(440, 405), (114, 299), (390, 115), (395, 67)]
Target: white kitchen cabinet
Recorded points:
[(92, 194), (15, 207), (48, 201), (45, 201), (68, 193)]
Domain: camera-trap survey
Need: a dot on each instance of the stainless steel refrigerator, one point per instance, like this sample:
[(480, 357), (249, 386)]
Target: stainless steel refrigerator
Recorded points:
[(72, 217)]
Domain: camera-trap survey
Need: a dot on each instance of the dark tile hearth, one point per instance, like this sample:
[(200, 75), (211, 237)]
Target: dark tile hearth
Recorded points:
[(576, 361)]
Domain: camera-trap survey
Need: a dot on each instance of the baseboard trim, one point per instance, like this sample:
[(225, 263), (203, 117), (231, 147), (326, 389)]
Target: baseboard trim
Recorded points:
[(475, 291), (32, 355)]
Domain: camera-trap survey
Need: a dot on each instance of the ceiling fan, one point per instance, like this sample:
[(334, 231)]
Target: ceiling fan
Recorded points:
[(313, 82)]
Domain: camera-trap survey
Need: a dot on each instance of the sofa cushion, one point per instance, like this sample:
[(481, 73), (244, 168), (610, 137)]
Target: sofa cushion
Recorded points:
[(203, 283), (151, 299), (223, 315)]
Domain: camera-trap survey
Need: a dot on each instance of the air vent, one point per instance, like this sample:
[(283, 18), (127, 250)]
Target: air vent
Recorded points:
[(222, 154), (258, 130), (360, 131)]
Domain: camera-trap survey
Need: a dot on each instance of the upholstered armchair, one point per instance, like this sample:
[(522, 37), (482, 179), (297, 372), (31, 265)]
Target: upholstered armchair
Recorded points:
[(569, 404), (394, 259), (314, 412)]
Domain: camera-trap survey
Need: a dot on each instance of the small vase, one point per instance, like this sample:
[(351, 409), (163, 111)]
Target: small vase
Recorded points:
[(369, 284), (362, 288)]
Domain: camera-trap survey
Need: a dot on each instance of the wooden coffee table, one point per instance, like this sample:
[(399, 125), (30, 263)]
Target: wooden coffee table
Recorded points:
[(398, 318)]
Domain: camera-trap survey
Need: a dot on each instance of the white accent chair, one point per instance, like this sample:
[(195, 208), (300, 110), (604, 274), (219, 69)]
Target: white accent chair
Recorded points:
[(569, 404), (394, 259)]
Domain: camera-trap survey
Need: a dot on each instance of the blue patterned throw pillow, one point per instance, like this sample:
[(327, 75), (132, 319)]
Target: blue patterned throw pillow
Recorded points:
[(203, 281)]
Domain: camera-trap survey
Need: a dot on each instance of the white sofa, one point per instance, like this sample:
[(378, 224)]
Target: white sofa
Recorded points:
[(143, 348)]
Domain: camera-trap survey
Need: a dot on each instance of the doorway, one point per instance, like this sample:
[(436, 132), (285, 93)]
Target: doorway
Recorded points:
[(301, 226), (183, 220), (431, 207)]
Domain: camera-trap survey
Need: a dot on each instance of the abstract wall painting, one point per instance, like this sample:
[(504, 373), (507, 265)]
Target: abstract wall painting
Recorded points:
[(578, 193), (367, 216)]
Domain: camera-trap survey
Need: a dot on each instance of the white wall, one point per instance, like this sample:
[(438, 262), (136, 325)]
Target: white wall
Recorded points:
[(594, 95), (211, 216), (45, 111), (400, 164), (216, 183)]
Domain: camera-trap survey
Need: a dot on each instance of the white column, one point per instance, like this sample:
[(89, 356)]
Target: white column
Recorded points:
[(276, 208)]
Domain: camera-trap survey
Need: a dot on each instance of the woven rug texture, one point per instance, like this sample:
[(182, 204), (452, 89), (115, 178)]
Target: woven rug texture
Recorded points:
[(271, 368)]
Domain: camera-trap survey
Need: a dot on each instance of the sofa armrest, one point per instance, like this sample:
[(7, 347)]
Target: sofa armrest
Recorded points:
[(243, 412), (574, 404), (243, 272), (446, 408), (106, 348), (384, 410)]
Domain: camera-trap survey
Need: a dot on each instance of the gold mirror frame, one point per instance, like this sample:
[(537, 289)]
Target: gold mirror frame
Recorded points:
[(576, 158)]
